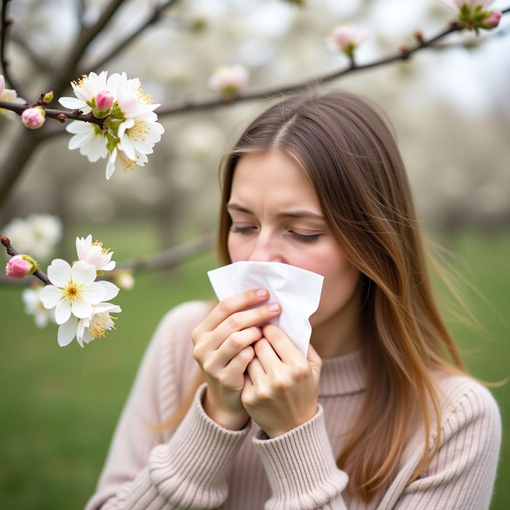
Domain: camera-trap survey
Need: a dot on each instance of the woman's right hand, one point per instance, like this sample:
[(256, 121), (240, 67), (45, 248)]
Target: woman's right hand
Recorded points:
[(223, 349)]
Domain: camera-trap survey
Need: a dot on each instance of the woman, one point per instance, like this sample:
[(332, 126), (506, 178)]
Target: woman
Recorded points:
[(380, 414)]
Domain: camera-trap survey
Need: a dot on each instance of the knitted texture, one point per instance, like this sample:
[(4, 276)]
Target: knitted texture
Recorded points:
[(200, 465)]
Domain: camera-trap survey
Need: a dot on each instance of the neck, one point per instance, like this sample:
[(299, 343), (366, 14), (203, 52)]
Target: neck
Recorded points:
[(341, 333)]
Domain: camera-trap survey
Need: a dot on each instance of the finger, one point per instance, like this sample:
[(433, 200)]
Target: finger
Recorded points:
[(237, 341), (239, 363), (255, 371), (267, 357), (281, 344), (246, 319), (314, 359), (233, 304)]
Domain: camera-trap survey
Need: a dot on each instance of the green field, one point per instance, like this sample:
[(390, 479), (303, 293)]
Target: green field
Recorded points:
[(59, 405)]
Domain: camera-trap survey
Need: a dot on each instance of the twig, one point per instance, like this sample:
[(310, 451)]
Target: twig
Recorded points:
[(5, 23), (401, 54), (166, 259), (42, 64), (80, 10), (87, 35), (171, 257), (59, 115), (205, 104), (11, 251), (121, 45)]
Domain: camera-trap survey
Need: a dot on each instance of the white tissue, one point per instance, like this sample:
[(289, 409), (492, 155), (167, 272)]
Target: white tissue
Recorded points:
[(297, 291)]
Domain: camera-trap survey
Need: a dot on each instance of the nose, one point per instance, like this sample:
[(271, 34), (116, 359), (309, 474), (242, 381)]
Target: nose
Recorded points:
[(266, 249)]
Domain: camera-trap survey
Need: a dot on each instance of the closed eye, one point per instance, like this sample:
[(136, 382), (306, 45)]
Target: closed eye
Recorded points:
[(241, 230), (304, 238)]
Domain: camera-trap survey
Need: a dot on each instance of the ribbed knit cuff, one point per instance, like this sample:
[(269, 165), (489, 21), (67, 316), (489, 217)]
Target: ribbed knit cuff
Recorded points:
[(191, 469), (300, 466)]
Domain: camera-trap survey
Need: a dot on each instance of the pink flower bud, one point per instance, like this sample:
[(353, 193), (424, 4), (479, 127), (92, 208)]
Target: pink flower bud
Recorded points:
[(104, 100), (346, 38), (228, 80), (20, 266), (493, 20), (125, 280), (33, 118), (2, 84)]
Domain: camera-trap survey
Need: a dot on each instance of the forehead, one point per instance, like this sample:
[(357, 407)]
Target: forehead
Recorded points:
[(272, 176)]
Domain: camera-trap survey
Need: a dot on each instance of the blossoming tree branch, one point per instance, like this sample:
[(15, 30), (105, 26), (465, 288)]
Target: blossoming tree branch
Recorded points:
[(112, 118)]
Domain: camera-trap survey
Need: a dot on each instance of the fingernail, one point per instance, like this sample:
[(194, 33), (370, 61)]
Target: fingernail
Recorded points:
[(261, 292), (274, 307)]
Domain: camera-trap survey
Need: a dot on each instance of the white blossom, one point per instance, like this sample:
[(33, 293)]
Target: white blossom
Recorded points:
[(129, 128), (37, 234), (87, 329), (73, 290), (94, 253), (34, 306)]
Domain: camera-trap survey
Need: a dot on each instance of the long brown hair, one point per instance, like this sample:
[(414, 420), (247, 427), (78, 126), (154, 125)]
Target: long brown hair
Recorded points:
[(353, 162)]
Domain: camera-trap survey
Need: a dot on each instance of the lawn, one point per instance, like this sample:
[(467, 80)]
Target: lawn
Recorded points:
[(59, 406)]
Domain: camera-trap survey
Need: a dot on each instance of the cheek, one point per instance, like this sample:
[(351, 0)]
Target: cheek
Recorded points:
[(341, 280), (237, 250)]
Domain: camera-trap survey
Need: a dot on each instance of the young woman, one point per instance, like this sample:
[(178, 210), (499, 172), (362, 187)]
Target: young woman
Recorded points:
[(380, 414)]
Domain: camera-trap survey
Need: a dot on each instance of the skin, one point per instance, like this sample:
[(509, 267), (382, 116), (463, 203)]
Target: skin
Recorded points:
[(256, 371)]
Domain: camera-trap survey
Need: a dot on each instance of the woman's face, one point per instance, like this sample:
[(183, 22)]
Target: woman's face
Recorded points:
[(277, 217)]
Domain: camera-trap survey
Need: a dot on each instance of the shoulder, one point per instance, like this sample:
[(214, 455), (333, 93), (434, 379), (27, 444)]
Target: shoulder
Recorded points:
[(466, 403)]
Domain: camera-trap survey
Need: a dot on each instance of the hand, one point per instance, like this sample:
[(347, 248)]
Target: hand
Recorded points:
[(223, 349), (281, 389)]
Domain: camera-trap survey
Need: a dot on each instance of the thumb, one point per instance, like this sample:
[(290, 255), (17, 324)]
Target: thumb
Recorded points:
[(314, 359)]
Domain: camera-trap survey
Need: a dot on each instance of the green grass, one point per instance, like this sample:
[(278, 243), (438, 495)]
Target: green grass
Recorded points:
[(59, 406)]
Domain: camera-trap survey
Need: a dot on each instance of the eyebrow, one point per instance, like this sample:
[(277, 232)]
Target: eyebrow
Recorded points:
[(298, 214)]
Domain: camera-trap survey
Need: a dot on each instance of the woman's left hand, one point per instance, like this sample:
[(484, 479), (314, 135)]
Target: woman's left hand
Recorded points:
[(281, 386)]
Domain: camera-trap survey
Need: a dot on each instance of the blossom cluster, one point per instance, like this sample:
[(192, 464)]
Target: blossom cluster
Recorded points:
[(129, 128), (80, 302), (37, 234), (74, 299)]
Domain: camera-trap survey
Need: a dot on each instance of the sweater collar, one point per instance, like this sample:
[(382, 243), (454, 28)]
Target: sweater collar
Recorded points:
[(343, 375)]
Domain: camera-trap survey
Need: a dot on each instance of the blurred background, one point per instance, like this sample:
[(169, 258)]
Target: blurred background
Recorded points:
[(450, 109)]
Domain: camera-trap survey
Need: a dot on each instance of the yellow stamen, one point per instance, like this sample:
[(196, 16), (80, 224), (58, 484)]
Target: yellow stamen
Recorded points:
[(73, 291)]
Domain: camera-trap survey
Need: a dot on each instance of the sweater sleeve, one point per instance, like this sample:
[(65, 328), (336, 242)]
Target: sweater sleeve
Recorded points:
[(303, 473), (301, 468), (462, 474), (143, 472)]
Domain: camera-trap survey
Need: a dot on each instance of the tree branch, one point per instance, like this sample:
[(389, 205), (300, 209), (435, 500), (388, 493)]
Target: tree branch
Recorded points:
[(171, 257), (59, 115), (40, 63), (86, 36), (16, 160), (166, 259), (403, 53), (121, 45), (5, 24), (11, 251)]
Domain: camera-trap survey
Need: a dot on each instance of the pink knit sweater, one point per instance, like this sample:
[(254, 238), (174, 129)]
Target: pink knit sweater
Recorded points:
[(201, 465)]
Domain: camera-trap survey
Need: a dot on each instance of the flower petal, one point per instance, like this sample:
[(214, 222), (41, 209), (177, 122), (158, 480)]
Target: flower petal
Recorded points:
[(83, 272), (72, 103), (81, 308), (111, 290), (62, 311), (50, 296), (93, 292), (59, 272), (67, 331)]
